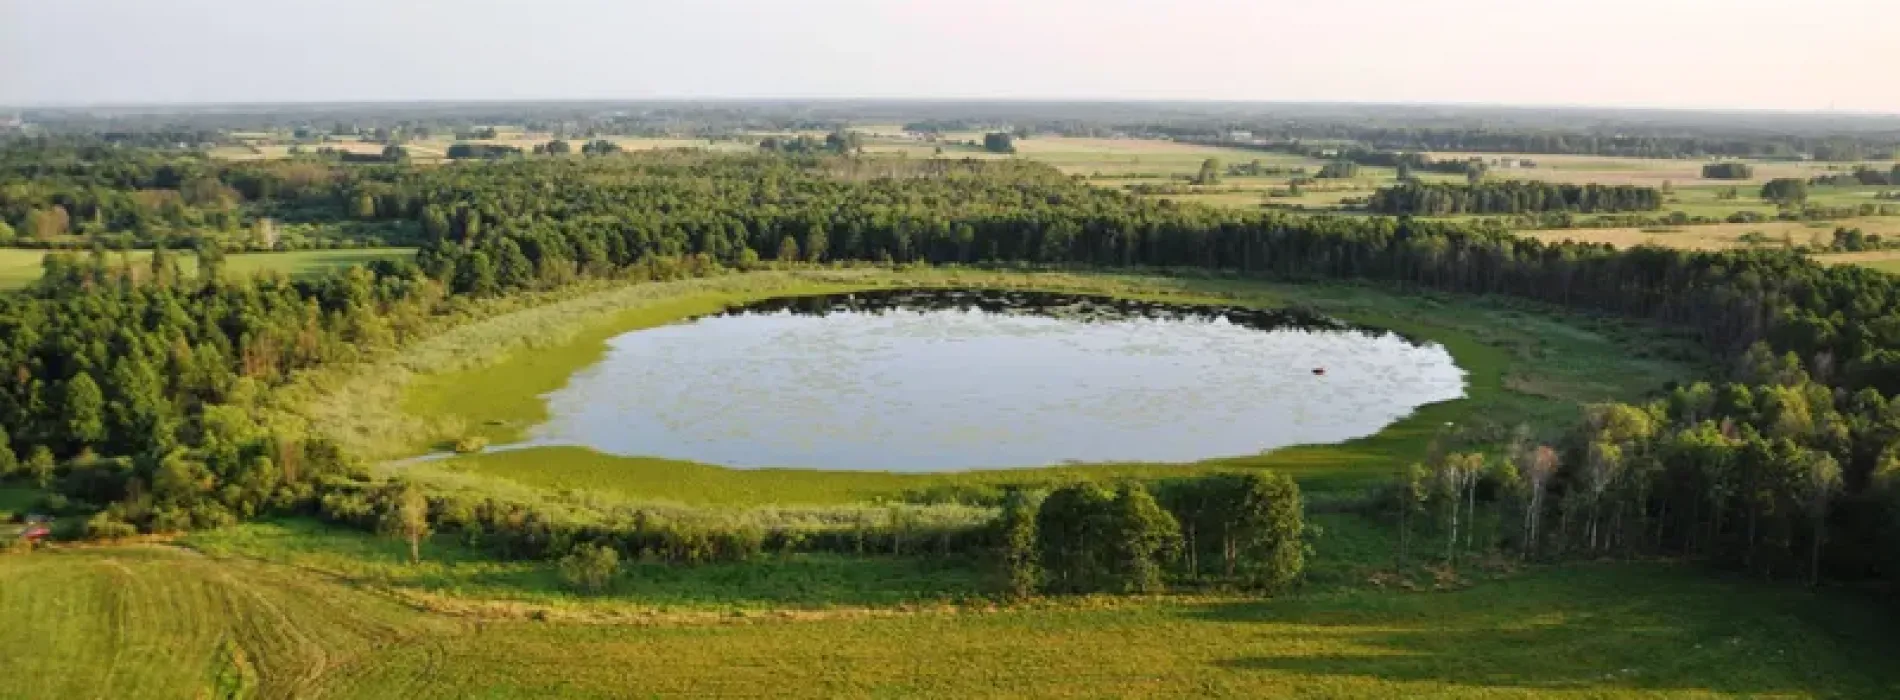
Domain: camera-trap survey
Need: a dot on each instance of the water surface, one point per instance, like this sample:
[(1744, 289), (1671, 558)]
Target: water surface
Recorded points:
[(947, 380)]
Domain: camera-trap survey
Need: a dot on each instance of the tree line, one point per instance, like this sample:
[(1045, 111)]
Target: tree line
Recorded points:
[(1243, 529), (1510, 197), (1772, 472)]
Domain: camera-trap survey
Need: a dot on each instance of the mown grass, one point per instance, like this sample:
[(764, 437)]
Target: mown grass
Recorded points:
[(155, 622), (1524, 365), (21, 267)]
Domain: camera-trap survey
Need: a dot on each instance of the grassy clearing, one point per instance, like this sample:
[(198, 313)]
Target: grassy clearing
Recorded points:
[(21, 267), (160, 623), (1522, 366), (1882, 260)]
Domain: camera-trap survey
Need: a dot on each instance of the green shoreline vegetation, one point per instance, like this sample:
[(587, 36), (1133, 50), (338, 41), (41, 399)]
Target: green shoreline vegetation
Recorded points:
[(1514, 368)]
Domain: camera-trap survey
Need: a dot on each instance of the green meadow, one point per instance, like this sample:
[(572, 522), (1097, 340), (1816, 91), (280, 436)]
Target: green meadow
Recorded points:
[(21, 267)]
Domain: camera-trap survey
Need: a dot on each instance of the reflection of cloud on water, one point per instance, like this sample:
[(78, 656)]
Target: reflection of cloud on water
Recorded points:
[(967, 388)]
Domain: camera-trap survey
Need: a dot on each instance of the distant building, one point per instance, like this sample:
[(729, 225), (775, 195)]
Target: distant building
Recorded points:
[(1240, 136)]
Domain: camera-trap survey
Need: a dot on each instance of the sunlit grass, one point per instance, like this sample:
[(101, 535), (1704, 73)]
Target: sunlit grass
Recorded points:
[(152, 622)]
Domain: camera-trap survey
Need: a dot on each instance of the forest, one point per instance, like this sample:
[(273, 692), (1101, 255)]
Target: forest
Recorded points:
[(133, 390), (1511, 197)]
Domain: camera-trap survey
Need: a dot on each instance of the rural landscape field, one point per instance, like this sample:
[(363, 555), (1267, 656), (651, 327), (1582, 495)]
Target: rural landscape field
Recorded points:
[(356, 373)]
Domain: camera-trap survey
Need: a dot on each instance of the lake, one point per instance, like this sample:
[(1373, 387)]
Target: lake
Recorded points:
[(946, 380)]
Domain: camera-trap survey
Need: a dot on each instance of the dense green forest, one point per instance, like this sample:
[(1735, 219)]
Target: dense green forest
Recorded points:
[(1511, 197), (131, 390), (77, 192)]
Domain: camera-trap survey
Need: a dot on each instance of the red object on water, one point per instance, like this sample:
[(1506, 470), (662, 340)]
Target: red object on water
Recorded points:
[(1319, 370)]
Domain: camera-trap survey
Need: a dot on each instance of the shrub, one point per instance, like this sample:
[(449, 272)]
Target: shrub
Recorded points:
[(589, 567), (471, 444), (103, 526)]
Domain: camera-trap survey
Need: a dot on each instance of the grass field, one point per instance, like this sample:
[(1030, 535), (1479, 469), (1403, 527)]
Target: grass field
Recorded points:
[(1882, 260), (1522, 366), (1722, 236), (158, 622), (21, 267)]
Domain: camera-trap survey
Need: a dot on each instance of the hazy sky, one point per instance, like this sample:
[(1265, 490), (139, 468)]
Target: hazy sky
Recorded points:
[(1778, 54)]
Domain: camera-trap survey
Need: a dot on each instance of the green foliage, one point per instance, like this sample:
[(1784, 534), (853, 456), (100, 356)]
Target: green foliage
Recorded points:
[(1340, 170), (9, 460), (1143, 539), (1210, 172), (589, 567), (999, 142), (40, 465), (1021, 572), (82, 413), (1785, 191), (1728, 171), (103, 526), (1074, 529), (1511, 197), (407, 516)]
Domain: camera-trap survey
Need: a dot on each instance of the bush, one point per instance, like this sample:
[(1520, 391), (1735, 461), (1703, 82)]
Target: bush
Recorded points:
[(103, 526), (471, 444), (589, 567)]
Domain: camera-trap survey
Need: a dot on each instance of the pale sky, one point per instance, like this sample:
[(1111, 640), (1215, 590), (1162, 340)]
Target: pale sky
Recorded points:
[(1806, 55)]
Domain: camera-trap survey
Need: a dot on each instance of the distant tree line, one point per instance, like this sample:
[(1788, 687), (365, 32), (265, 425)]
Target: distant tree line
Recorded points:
[(487, 151), (1862, 175), (1573, 141), (1728, 171), (1511, 197)]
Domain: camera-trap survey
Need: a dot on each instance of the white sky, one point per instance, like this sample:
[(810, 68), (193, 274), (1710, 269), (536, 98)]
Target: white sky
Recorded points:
[(1773, 54)]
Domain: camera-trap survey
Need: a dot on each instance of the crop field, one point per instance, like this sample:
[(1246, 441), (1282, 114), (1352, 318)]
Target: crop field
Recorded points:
[(158, 621), (1522, 363), (1723, 236), (21, 267)]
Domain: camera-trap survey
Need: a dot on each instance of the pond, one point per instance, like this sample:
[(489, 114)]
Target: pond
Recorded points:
[(946, 380)]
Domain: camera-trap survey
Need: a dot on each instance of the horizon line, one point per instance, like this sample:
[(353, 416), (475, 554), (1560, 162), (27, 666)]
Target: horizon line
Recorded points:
[(683, 99)]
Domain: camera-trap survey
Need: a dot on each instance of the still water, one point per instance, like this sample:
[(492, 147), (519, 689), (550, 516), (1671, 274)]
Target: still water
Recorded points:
[(947, 380)]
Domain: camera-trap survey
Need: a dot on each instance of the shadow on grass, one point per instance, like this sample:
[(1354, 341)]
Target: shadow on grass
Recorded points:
[(1642, 628)]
